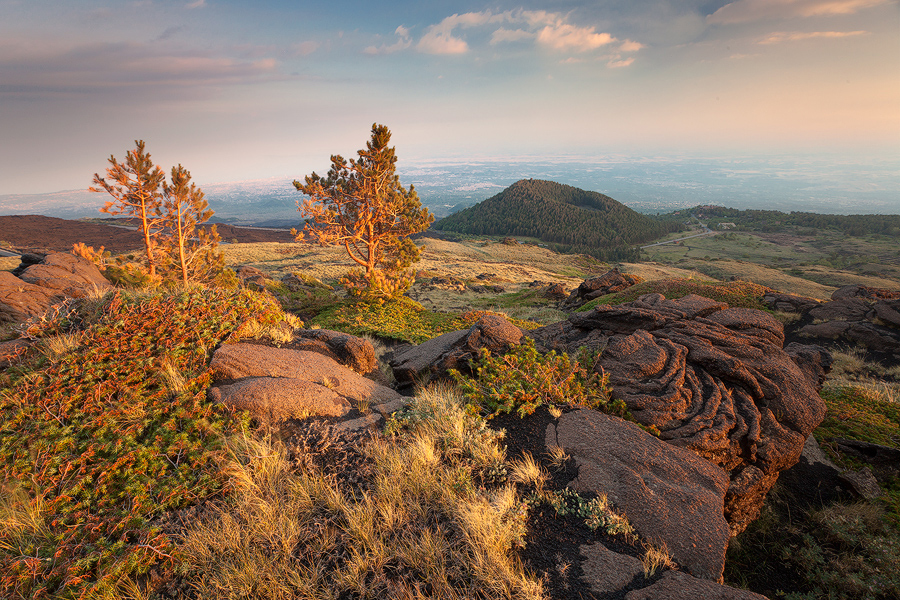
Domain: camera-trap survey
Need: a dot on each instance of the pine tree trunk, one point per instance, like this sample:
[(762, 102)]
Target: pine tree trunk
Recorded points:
[(181, 258), (145, 224)]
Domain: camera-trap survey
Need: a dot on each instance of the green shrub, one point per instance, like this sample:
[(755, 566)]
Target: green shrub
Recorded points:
[(399, 319), (524, 379), (109, 431)]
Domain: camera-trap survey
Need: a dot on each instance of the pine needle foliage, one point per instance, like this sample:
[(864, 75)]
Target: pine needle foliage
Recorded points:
[(189, 252), (98, 442), (169, 213), (135, 187), (362, 206)]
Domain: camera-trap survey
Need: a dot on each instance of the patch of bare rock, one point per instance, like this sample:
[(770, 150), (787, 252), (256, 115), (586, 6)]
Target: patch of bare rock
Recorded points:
[(856, 315), (276, 384), (42, 281)]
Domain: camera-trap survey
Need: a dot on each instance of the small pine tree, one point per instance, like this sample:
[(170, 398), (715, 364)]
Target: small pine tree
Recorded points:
[(190, 251), (362, 206), (135, 187)]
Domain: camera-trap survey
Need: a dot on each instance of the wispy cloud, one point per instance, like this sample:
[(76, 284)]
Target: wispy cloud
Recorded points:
[(743, 11), (97, 68), (403, 42), (196, 4), (564, 36), (439, 39), (797, 36), (510, 35)]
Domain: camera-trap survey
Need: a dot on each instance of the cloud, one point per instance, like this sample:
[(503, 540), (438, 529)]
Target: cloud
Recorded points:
[(743, 11), (619, 63), (630, 46), (303, 48), (196, 4), (510, 35), (797, 36), (439, 39), (111, 69), (168, 32), (403, 42), (549, 30), (563, 36)]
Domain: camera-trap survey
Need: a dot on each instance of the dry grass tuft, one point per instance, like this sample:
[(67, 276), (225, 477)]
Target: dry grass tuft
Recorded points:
[(421, 528), (558, 456), (655, 557), (528, 472), (57, 346)]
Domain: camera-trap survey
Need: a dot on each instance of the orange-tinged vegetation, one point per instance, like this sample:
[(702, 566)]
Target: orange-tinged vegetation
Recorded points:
[(96, 442)]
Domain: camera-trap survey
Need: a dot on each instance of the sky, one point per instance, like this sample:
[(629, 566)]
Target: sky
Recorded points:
[(243, 90)]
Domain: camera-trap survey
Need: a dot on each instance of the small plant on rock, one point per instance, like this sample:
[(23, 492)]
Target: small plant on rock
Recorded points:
[(524, 379)]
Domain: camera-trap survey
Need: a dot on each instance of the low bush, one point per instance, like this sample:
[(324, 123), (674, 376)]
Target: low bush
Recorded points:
[(108, 428), (524, 379)]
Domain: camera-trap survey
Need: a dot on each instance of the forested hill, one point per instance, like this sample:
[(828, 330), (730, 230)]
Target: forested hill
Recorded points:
[(568, 219)]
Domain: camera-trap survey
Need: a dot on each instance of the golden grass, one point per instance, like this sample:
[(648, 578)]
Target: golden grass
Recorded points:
[(9, 263), (654, 558), (57, 346), (422, 529), (528, 472), (871, 389)]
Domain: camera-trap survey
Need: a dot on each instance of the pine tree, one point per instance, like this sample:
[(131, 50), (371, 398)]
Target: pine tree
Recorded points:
[(135, 188), (362, 206), (190, 251)]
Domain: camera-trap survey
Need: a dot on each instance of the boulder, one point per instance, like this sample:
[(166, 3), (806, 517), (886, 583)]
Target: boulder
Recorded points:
[(349, 350), (594, 287), (714, 380), (843, 309), (555, 291), (433, 358), (788, 303), (278, 398), (863, 291), (670, 495), (239, 361), (676, 585), (19, 301), (251, 276), (69, 276)]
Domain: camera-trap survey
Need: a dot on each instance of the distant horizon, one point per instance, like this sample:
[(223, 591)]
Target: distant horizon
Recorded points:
[(241, 91), (827, 185)]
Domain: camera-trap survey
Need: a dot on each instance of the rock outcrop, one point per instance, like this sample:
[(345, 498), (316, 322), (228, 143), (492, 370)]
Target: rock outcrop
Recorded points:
[(675, 585), (860, 316), (433, 358), (594, 287), (349, 350), (43, 284), (278, 383), (671, 496), (789, 303), (714, 380)]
